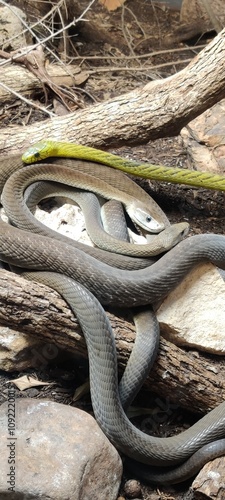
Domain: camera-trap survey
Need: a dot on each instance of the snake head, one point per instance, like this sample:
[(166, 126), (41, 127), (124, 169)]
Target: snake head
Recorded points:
[(142, 217), (173, 234), (39, 151)]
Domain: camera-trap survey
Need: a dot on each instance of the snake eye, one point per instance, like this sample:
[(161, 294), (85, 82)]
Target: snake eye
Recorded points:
[(37, 154), (148, 218)]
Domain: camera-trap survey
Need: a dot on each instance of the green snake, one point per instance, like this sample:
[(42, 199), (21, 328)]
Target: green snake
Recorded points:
[(46, 148), (127, 288)]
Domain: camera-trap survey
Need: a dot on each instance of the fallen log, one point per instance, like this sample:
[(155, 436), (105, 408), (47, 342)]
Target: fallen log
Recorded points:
[(189, 379), (159, 109)]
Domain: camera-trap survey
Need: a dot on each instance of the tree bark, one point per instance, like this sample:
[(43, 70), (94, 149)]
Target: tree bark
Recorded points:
[(188, 379), (161, 108)]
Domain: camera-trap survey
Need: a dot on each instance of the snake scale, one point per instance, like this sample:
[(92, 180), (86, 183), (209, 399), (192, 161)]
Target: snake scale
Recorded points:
[(127, 288)]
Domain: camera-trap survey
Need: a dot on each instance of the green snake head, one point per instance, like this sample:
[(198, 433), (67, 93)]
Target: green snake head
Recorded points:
[(39, 151)]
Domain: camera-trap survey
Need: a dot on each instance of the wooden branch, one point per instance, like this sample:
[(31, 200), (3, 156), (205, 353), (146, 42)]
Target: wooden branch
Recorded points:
[(19, 79), (159, 109), (188, 379)]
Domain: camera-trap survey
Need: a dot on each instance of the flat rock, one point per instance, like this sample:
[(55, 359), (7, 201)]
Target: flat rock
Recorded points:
[(56, 452), (194, 313)]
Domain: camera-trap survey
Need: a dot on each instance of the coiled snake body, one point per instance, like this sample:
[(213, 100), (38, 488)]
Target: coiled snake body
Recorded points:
[(121, 288)]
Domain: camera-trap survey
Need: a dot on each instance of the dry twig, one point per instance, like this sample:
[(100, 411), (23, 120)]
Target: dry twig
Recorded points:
[(35, 62)]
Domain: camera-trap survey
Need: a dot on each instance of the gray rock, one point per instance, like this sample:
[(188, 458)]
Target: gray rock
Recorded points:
[(194, 313), (56, 452)]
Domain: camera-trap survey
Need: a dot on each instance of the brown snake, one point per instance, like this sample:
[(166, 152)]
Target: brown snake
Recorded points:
[(121, 288), (14, 188)]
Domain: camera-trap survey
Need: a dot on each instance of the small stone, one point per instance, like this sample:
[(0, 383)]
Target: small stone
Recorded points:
[(132, 489)]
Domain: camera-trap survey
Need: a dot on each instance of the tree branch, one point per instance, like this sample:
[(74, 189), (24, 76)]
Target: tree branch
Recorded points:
[(159, 109), (188, 379)]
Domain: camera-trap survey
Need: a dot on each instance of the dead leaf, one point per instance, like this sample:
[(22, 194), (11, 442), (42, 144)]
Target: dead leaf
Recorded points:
[(26, 382), (112, 4), (68, 80), (81, 391)]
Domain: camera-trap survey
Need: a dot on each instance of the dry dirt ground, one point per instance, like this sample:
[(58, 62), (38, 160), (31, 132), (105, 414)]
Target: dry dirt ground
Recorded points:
[(145, 30)]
